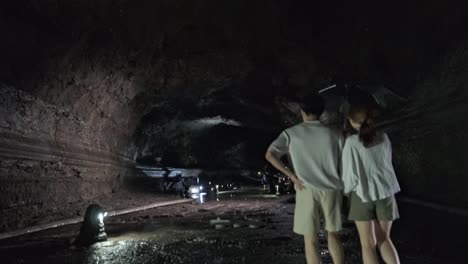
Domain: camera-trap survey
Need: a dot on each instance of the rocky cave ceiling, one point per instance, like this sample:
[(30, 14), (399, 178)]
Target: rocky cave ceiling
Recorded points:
[(88, 88), (114, 72)]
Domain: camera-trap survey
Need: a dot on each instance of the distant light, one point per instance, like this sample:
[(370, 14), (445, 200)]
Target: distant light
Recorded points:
[(201, 187), (201, 197), (194, 189), (211, 121)]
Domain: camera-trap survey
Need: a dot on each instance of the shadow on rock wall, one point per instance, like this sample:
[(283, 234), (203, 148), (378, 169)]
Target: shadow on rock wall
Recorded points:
[(77, 77)]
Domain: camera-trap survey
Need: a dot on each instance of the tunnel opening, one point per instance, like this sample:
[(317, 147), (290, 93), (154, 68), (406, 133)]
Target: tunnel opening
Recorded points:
[(95, 97)]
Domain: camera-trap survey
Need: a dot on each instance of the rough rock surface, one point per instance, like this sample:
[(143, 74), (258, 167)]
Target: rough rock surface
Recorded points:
[(89, 87)]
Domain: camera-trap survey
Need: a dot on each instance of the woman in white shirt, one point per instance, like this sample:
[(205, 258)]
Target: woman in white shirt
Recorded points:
[(370, 181)]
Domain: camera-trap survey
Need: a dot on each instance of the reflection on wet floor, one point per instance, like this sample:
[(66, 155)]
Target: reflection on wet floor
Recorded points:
[(256, 230), (244, 193)]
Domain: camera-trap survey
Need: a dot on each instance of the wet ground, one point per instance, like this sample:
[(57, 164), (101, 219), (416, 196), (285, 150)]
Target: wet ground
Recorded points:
[(183, 234)]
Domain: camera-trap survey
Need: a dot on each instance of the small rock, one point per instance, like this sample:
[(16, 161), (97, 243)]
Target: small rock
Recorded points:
[(253, 226), (219, 221), (107, 244), (199, 239)]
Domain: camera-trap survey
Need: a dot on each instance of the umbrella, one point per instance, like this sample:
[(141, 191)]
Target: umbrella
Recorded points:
[(339, 98), (370, 95)]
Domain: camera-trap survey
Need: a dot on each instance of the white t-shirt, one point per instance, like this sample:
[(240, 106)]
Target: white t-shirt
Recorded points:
[(315, 152), (369, 171)]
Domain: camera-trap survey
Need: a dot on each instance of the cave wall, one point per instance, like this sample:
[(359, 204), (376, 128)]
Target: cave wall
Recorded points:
[(430, 134), (52, 158), (78, 78), (68, 108)]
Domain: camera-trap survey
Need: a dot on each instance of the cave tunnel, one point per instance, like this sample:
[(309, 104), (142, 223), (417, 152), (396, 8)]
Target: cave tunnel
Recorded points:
[(119, 102)]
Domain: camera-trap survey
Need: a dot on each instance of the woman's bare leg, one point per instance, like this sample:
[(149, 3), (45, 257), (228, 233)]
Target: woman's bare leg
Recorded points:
[(368, 241), (386, 247)]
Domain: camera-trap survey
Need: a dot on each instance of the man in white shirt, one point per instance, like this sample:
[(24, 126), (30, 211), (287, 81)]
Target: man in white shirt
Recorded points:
[(315, 152)]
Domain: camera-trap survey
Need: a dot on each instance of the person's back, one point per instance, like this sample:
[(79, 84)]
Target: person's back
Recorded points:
[(315, 151), (371, 172), (370, 181)]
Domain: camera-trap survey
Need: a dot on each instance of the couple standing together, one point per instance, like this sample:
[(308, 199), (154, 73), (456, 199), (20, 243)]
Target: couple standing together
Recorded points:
[(326, 165)]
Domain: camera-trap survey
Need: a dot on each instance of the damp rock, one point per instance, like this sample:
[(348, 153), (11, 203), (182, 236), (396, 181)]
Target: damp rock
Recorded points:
[(253, 226), (219, 221), (219, 226)]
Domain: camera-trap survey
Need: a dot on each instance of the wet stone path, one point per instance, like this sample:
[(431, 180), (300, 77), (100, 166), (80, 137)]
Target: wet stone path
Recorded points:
[(259, 231)]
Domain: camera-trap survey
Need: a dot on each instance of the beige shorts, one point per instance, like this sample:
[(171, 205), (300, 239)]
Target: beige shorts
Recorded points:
[(311, 204)]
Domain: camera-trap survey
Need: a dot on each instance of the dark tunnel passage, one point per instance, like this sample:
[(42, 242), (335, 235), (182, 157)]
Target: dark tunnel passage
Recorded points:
[(91, 91)]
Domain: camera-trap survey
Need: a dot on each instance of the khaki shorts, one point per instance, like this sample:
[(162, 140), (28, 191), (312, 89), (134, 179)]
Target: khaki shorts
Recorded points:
[(382, 210), (310, 204)]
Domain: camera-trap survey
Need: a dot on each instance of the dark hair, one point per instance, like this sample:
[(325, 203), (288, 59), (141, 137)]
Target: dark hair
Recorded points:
[(367, 132), (312, 104)]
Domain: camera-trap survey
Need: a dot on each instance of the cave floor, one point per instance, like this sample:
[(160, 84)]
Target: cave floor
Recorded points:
[(183, 234)]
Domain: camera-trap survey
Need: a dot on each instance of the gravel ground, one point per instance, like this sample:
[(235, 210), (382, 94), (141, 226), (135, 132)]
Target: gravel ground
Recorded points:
[(183, 234)]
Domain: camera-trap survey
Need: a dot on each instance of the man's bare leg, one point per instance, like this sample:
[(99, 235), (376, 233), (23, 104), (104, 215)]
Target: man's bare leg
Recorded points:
[(336, 248), (311, 249)]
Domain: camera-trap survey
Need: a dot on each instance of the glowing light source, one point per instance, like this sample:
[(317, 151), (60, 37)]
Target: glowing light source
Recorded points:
[(194, 189), (92, 229), (101, 217), (201, 197)]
